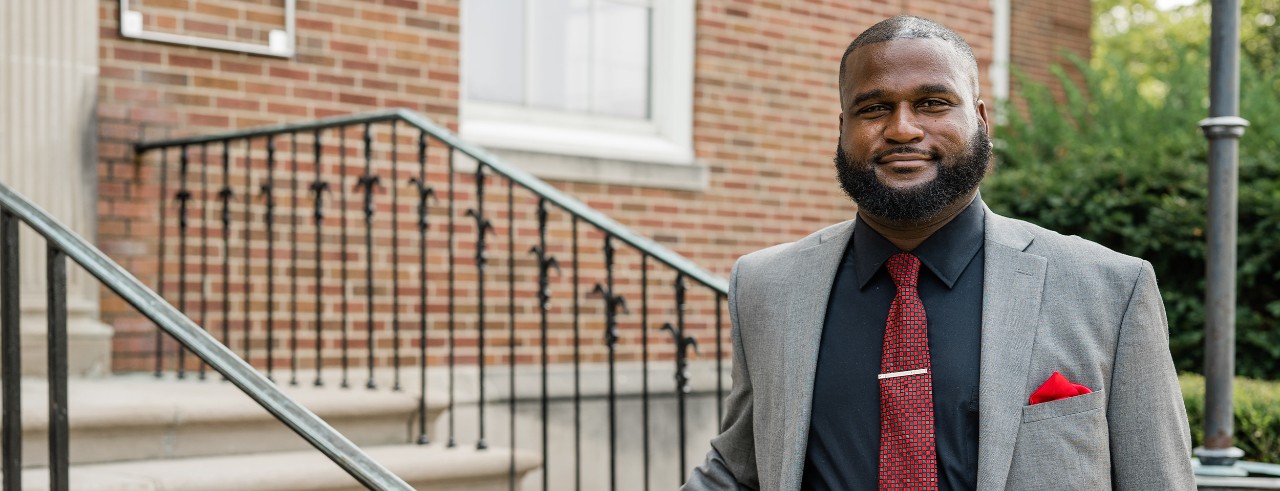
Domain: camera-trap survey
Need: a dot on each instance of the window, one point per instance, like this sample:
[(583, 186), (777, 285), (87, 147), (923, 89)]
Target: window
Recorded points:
[(603, 80)]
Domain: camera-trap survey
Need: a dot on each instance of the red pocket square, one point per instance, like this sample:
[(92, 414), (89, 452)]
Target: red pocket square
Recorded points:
[(1057, 387)]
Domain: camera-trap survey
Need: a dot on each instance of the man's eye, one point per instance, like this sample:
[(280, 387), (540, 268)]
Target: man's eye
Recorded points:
[(934, 103), (873, 109)]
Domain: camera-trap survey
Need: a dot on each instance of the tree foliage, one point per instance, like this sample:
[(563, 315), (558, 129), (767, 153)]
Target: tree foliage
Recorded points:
[(1121, 161)]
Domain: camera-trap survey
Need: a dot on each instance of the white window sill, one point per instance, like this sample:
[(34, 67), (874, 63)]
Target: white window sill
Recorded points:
[(584, 155)]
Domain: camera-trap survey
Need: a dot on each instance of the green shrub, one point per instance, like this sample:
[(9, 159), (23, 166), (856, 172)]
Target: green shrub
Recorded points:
[(1257, 415), (1122, 162)]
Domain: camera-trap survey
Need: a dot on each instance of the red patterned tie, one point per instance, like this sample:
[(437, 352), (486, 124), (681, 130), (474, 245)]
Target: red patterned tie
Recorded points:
[(908, 458)]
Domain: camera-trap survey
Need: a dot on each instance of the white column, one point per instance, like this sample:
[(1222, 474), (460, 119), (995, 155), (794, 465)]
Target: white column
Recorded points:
[(999, 70), (48, 143)]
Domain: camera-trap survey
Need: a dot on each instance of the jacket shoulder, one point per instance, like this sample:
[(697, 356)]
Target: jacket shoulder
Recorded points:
[(1080, 256), (773, 254)]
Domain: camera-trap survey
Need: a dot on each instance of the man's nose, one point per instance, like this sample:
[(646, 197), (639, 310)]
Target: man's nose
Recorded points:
[(903, 128)]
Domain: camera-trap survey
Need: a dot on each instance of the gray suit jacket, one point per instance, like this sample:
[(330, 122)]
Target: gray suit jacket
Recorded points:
[(1050, 303)]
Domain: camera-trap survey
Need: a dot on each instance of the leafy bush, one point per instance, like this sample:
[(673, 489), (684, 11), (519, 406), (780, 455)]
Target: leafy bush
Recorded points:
[(1122, 162), (1257, 415)]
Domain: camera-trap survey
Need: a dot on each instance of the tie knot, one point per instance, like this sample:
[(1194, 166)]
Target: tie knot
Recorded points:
[(904, 268)]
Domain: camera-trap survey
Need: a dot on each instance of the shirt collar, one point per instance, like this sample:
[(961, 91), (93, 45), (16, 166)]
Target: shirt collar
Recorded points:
[(946, 253)]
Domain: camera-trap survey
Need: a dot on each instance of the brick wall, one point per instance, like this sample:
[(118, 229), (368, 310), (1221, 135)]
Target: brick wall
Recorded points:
[(765, 122), (1043, 32), (351, 57)]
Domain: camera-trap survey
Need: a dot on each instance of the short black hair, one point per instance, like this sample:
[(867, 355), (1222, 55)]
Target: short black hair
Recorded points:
[(911, 27)]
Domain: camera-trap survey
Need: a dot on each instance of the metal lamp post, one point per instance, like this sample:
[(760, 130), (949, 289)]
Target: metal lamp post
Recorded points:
[(1223, 128)]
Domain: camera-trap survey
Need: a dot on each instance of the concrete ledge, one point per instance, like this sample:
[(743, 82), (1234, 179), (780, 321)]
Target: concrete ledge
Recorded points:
[(424, 467), (139, 417)]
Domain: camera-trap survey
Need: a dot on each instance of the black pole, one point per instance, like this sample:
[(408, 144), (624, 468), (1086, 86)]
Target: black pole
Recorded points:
[(246, 249), (644, 365), (452, 305), (225, 194), (367, 183), (183, 197), (293, 261), (425, 193), (1223, 128), (204, 242), (319, 187), (395, 260), (59, 431), (577, 364), (545, 263), (511, 329), (268, 191), (483, 227), (346, 263), (10, 353), (164, 193)]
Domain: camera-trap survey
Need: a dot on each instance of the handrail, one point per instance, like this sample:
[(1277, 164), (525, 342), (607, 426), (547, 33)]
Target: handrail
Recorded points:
[(515, 174), (302, 421)]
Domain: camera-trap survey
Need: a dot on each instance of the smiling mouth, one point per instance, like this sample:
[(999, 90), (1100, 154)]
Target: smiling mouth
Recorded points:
[(906, 159)]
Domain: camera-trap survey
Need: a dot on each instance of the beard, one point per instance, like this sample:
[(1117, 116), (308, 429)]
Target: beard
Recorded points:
[(957, 177)]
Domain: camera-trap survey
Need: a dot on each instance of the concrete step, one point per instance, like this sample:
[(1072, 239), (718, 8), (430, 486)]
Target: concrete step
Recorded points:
[(425, 467), (136, 417)]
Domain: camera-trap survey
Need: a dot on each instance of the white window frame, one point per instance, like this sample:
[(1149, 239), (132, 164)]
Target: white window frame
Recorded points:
[(665, 138), (281, 43)]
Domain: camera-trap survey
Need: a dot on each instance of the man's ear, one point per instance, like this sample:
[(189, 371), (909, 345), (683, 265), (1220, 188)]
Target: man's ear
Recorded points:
[(981, 108)]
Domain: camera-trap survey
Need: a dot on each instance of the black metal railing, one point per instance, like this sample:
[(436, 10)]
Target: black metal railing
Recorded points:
[(62, 244), (449, 261)]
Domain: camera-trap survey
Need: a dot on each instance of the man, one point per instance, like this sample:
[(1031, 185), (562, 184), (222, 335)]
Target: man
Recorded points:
[(929, 343)]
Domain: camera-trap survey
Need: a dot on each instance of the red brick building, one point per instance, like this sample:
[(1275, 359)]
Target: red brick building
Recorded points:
[(725, 147)]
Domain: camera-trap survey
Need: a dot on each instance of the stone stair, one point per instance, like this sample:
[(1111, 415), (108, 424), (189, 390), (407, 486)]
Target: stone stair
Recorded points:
[(136, 432)]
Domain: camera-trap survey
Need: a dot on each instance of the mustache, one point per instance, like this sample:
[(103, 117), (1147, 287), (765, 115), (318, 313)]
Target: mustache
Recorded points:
[(879, 157)]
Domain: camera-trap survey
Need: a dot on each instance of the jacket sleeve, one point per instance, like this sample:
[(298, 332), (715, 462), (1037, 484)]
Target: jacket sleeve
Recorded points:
[(1150, 439), (731, 463)]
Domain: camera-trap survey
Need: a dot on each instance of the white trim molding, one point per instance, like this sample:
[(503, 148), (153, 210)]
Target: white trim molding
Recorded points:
[(281, 43), (1000, 39)]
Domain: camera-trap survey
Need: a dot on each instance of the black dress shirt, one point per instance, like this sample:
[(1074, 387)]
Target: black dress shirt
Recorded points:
[(844, 432)]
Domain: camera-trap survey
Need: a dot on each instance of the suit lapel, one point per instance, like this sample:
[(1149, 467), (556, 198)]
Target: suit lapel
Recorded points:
[(1012, 286), (812, 273)]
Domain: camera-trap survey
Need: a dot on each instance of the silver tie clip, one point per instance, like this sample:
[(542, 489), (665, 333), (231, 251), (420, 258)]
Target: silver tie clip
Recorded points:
[(902, 374)]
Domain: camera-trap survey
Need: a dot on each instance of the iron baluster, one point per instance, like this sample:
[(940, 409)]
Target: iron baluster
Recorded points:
[(452, 295), (293, 262), (612, 302), (268, 194), (719, 359), (682, 344), (248, 221), (10, 353), (59, 454), (577, 364), (644, 362), (164, 233), (204, 243), (225, 194), (318, 188), (545, 263), (395, 260), (511, 329), (342, 188), (183, 197), (425, 193), (367, 183), (483, 227)]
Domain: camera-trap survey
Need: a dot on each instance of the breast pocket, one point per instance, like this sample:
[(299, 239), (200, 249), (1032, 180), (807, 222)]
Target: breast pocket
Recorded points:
[(1063, 444), (1064, 407)]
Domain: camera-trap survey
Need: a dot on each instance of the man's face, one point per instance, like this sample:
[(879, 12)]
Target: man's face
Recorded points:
[(913, 137)]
